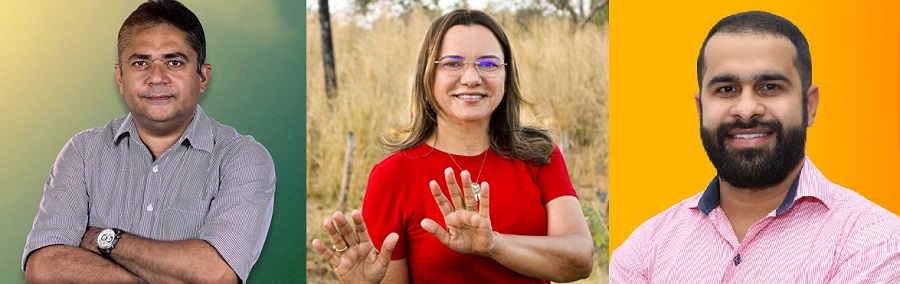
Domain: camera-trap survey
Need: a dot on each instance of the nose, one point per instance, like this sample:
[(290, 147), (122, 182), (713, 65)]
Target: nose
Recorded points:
[(748, 106), (470, 76), (158, 73)]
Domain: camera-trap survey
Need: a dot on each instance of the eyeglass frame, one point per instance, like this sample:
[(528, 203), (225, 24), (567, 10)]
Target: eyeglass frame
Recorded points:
[(474, 63)]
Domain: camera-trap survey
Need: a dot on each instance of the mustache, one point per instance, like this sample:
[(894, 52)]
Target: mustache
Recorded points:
[(157, 91), (773, 125)]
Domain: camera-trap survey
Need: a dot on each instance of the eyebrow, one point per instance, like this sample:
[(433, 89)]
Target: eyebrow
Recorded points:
[(723, 78), (458, 57), (731, 78), (141, 56), (772, 77)]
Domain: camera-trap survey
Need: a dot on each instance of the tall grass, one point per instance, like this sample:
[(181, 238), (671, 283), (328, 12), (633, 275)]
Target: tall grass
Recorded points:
[(564, 72)]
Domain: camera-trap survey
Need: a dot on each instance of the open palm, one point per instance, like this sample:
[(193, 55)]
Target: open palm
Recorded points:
[(353, 256), (468, 223)]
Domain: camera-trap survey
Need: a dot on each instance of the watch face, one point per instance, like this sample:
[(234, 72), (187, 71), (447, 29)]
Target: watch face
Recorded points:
[(105, 239)]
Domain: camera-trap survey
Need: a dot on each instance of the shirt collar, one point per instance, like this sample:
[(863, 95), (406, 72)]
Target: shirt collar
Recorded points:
[(811, 187), (198, 133)]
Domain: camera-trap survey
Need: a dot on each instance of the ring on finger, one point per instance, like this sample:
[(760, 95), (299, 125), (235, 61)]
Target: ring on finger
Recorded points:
[(339, 251), (470, 207)]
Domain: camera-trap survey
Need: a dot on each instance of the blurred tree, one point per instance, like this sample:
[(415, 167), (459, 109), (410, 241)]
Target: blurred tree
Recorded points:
[(327, 50), (580, 12), (363, 7)]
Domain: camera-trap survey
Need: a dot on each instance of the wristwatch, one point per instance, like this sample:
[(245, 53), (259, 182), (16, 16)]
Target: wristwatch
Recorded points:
[(107, 239)]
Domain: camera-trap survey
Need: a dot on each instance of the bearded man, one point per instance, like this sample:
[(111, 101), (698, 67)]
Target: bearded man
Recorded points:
[(769, 216)]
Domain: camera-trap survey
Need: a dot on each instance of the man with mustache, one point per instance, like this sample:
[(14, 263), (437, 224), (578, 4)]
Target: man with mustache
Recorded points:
[(769, 216), (164, 194)]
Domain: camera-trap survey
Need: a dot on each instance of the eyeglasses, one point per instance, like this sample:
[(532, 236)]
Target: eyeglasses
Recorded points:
[(456, 66)]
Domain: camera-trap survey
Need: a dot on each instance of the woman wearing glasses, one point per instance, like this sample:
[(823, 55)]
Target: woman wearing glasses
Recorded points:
[(469, 194)]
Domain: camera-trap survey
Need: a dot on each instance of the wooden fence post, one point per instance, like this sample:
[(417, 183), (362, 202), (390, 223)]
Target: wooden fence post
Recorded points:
[(348, 171)]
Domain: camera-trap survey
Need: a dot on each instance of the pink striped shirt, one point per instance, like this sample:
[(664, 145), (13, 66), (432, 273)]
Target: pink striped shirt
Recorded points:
[(822, 233)]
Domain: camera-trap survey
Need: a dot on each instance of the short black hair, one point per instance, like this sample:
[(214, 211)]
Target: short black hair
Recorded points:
[(763, 23), (172, 12)]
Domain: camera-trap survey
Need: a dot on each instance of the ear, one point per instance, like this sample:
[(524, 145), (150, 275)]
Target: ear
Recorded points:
[(118, 68), (812, 104), (205, 74), (698, 104)]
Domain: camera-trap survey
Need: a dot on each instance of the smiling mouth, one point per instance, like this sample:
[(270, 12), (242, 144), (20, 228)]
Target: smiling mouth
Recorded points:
[(750, 135), (470, 96)]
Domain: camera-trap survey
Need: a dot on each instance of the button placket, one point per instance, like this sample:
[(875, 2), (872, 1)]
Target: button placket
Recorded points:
[(155, 170), (151, 188)]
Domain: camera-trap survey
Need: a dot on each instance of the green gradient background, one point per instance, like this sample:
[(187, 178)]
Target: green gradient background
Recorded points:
[(56, 79)]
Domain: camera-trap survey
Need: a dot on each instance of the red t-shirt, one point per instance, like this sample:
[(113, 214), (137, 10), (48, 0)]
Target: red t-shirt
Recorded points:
[(398, 198)]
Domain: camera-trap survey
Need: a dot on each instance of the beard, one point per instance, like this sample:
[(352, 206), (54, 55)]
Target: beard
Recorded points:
[(755, 168)]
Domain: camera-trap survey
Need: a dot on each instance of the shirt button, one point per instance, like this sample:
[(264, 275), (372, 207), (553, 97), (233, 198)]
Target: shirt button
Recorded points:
[(155, 168), (737, 260), (150, 207)]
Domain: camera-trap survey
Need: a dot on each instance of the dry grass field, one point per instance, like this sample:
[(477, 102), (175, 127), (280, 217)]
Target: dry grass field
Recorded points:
[(563, 71)]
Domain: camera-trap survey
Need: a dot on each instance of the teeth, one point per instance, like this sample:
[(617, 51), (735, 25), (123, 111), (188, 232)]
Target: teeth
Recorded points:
[(749, 136), (470, 96)]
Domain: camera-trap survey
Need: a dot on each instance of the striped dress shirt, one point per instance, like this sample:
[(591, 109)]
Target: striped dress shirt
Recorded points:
[(821, 233), (213, 184)]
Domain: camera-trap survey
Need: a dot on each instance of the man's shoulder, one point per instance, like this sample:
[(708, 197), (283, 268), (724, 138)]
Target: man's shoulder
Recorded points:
[(99, 135), (860, 212), (666, 227), (228, 139), (683, 211), (227, 136)]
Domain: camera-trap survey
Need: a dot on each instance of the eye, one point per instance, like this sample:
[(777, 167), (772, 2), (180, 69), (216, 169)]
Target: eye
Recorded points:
[(769, 88), (175, 64), (140, 64), (726, 90), (488, 64), (452, 63)]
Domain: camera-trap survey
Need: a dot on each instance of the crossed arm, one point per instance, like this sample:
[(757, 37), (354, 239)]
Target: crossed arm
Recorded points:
[(134, 260), (57, 255)]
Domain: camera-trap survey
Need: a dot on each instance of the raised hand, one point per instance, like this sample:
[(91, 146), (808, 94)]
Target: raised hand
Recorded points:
[(352, 255), (468, 222)]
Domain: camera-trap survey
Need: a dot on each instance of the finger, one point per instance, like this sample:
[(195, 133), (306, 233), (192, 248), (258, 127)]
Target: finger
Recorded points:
[(432, 227), (485, 206), (440, 199), (332, 231), (329, 255), (468, 193), (453, 187), (388, 248), (344, 228), (360, 226)]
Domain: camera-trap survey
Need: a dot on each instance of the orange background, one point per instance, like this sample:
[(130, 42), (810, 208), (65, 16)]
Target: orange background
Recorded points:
[(656, 158)]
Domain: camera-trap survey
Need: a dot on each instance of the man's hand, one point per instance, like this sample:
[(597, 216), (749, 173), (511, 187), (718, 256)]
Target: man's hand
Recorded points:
[(89, 240)]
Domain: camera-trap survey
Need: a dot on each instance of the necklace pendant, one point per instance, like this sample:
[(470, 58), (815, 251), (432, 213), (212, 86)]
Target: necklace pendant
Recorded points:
[(477, 190)]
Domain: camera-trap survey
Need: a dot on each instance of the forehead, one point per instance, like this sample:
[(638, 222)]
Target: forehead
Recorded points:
[(748, 54), (466, 41), (156, 40)]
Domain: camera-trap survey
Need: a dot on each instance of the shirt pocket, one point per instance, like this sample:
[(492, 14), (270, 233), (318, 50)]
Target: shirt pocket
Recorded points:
[(183, 218)]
